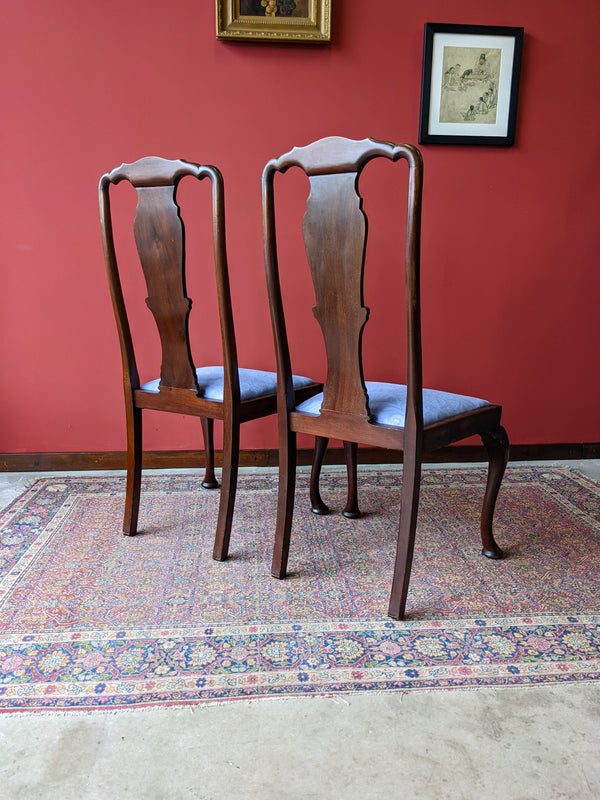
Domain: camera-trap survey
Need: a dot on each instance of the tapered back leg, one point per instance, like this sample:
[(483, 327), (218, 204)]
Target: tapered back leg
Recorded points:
[(231, 454), (285, 503), (409, 509), (134, 470)]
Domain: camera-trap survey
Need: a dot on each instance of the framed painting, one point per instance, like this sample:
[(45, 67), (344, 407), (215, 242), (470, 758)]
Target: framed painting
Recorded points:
[(274, 20), (470, 84)]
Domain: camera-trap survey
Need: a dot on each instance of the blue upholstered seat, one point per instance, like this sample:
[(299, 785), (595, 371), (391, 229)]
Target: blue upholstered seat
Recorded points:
[(387, 403), (253, 383)]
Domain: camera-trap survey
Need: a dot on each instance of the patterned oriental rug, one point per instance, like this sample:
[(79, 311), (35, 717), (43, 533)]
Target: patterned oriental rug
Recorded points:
[(90, 619)]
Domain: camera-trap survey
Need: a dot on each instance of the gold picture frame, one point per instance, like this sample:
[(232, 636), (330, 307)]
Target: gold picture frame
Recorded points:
[(306, 21)]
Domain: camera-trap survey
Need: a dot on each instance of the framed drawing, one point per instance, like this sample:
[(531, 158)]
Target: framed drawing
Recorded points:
[(274, 20), (470, 84)]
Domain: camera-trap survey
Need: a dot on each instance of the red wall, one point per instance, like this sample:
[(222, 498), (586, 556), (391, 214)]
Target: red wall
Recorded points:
[(509, 259)]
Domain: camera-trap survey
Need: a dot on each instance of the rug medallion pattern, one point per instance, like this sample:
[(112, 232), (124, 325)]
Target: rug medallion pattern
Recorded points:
[(92, 619)]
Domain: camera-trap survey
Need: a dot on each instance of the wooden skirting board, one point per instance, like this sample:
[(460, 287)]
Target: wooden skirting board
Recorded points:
[(44, 462)]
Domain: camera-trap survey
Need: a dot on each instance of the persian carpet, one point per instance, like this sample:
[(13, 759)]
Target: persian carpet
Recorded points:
[(92, 619)]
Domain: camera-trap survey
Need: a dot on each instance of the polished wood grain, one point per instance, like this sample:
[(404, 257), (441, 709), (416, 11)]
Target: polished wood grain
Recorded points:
[(335, 238)]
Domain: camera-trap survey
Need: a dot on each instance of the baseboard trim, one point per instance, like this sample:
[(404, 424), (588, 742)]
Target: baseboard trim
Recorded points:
[(166, 459)]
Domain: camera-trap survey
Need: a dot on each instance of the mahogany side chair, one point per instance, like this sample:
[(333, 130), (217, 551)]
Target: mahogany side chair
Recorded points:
[(223, 392), (406, 417)]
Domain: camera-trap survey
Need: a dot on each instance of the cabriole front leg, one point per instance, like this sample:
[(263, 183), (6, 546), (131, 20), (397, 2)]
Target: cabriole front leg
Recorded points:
[(352, 511), (497, 446), (317, 506), (210, 481)]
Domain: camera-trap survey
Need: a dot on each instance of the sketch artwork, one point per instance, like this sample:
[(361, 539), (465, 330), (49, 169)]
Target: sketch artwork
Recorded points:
[(469, 91)]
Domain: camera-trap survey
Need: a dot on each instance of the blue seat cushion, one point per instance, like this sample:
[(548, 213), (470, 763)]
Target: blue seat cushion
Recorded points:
[(253, 383), (387, 402)]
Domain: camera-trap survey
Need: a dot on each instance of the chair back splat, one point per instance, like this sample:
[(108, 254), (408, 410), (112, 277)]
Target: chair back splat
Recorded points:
[(223, 392), (350, 407), (158, 232)]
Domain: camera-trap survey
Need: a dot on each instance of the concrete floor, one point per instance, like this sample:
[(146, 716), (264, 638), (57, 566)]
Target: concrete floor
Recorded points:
[(536, 743)]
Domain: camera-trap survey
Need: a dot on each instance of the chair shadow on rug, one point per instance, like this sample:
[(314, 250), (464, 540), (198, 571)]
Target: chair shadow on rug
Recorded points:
[(399, 416), (221, 392)]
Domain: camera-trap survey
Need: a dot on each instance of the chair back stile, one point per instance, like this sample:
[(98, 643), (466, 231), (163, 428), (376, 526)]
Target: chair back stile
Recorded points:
[(131, 377), (414, 381), (285, 393), (230, 359)]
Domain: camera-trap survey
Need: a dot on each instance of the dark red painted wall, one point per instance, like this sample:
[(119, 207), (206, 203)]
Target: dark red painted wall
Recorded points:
[(511, 283)]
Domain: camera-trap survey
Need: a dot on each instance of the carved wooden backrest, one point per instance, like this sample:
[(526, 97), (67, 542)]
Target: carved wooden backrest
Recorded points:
[(160, 240), (335, 235)]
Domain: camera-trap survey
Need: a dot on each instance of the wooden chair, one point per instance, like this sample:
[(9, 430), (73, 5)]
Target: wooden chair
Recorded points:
[(210, 392), (404, 417)]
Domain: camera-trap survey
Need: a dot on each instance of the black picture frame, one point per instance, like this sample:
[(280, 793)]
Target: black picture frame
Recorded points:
[(473, 101)]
